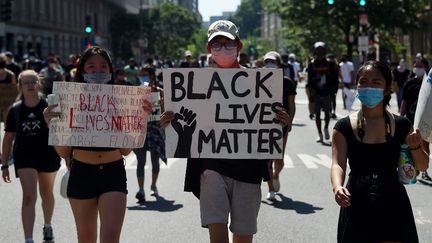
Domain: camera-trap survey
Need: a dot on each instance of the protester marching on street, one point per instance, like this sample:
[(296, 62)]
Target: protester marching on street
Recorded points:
[(334, 87), (208, 178), (322, 77), (374, 203), (155, 137), (400, 75), (36, 163), (347, 76), (410, 93), (97, 181), (272, 59), (50, 74)]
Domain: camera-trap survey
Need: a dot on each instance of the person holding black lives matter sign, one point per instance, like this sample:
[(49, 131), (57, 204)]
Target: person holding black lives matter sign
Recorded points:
[(97, 116), (228, 123)]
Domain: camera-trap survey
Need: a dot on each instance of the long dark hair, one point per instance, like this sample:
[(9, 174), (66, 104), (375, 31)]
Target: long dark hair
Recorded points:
[(385, 71), (92, 51)]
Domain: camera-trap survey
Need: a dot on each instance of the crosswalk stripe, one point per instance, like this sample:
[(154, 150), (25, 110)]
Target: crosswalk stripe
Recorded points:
[(288, 162), (311, 162)]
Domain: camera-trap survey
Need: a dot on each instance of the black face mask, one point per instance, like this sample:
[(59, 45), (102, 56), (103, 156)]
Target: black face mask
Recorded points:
[(2, 64)]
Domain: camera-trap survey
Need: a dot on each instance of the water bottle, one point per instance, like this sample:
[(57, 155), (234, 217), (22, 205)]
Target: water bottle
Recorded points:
[(406, 169)]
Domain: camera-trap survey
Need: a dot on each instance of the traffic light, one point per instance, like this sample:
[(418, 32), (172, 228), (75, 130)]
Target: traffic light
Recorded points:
[(362, 3), (330, 2), (88, 25), (6, 10)]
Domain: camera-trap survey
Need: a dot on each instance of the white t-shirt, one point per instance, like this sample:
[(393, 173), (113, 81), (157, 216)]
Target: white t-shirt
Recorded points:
[(297, 69), (346, 69)]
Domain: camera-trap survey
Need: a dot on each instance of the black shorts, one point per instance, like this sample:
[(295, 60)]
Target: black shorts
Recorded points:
[(90, 181), (39, 166), (322, 103)]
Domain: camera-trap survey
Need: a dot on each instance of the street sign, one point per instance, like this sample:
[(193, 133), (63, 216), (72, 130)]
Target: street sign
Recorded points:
[(363, 43), (363, 19)]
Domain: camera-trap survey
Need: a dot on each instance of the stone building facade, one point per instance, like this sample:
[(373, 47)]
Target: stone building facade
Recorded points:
[(55, 26)]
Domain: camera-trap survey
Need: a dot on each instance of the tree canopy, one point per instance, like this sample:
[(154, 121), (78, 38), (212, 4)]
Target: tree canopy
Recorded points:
[(166, 31), (309, 21)]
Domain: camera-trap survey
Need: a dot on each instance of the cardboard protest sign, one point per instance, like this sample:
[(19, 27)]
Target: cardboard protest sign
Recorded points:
[(223, 113), (423, 115), (100, 115), (8, 95)]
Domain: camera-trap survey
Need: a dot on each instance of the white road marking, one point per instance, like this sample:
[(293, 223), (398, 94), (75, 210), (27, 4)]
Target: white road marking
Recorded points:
[(288, 162), (311, 161)]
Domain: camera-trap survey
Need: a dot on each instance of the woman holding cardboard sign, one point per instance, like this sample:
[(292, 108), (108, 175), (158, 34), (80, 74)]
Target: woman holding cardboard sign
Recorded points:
[(97, 182)]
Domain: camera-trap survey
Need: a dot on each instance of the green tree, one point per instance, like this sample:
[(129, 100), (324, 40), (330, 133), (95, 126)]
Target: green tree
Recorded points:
[(335, 24), (248, 18), (123, 29), (173, 27)]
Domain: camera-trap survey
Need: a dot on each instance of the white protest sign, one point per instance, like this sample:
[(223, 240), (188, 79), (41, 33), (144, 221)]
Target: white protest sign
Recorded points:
[(100, 115), (423, 115), (223, 113)]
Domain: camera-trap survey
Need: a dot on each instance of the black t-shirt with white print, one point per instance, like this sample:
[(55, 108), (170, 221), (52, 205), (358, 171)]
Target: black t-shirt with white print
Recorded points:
[(31, 135)]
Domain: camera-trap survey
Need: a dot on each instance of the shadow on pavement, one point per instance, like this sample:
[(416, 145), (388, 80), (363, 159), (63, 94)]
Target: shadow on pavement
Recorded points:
[(326, 143), (161, 205), (289, 204), (425, 182)]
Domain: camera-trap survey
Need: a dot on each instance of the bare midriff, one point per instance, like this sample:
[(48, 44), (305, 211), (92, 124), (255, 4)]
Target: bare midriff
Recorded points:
[(97, 157)]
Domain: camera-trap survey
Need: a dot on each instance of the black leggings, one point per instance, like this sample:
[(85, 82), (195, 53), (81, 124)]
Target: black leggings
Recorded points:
[(141, 155)]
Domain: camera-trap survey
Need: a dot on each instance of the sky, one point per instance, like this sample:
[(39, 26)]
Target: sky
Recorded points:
[(209, 8)]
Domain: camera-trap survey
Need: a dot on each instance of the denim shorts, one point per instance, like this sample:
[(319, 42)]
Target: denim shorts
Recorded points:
[(222, 196), (88, 181)]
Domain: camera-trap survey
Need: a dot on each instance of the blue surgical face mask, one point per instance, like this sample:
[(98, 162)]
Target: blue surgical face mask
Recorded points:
[(97, 78), (144, 80), (271, 65), (370, 97)]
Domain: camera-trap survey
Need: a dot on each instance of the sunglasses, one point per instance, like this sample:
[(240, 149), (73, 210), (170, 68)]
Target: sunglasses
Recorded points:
[(229, 45)]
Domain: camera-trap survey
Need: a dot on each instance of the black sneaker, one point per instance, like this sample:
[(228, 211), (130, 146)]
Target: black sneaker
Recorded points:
[(334, 116), (48, 235), (141, 197), (311, 116)]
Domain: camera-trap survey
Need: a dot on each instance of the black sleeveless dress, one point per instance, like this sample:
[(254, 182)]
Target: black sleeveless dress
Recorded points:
[(380, 208)]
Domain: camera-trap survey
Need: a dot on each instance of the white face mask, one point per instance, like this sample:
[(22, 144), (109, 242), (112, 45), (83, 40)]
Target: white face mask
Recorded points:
[(224, 58), (419, 72), (97, 78), (271, 65)]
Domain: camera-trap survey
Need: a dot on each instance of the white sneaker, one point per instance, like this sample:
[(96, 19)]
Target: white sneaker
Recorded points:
[(271, 196), (154, 191), (276, 185), (319, 138)]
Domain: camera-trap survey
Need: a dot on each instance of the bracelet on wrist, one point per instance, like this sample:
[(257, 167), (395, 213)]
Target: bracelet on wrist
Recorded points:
[(4, 167)]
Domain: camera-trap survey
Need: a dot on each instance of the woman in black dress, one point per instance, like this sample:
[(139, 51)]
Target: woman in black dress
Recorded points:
[(374, 205)]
